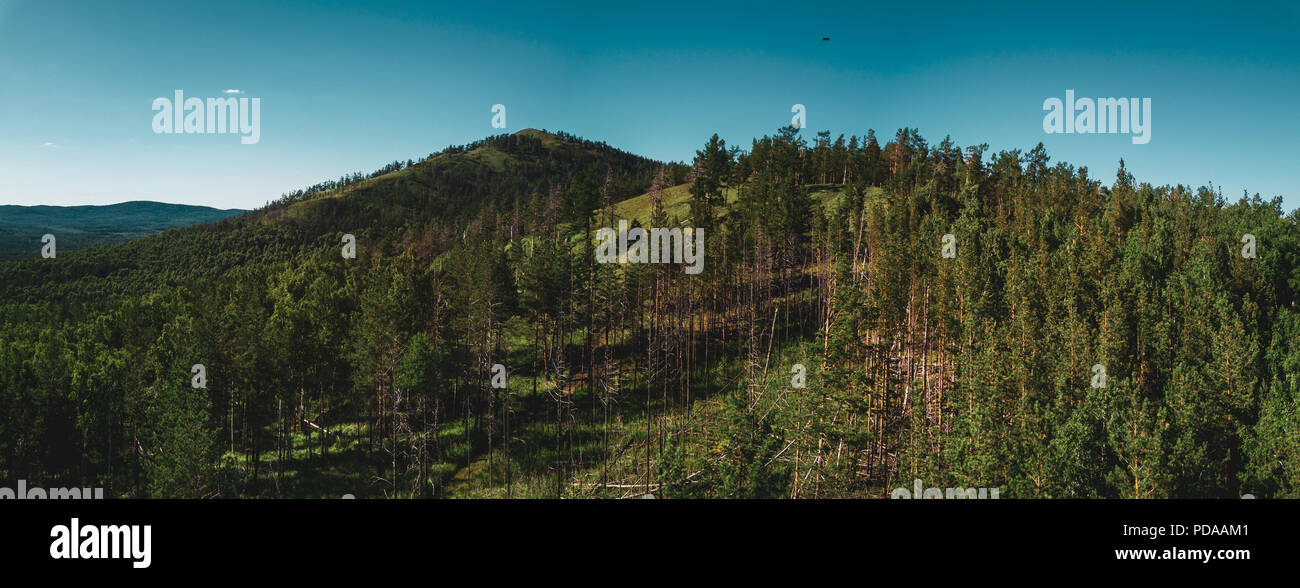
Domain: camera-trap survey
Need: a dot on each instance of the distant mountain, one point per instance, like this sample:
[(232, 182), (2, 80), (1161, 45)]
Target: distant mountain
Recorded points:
[(508, 178), (78, 227)]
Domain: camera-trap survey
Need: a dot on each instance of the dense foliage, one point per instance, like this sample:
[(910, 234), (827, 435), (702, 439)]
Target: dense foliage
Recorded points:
[(373, 376)]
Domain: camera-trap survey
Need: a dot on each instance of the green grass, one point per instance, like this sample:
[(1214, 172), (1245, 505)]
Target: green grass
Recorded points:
[(677, 203)]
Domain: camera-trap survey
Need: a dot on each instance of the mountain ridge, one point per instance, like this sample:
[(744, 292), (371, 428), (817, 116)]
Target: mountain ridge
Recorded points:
[(439, 194), (82, 226)]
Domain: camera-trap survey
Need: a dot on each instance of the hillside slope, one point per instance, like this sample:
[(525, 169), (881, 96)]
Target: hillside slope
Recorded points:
[(505, 174)]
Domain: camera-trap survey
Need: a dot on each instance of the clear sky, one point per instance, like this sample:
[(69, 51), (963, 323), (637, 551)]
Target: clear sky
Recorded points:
[(349, 87)]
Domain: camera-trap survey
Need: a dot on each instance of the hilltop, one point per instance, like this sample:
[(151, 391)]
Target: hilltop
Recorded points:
[(440, 193)]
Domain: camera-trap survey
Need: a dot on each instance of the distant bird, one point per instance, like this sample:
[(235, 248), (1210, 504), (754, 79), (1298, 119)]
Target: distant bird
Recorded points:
[(826, 38)]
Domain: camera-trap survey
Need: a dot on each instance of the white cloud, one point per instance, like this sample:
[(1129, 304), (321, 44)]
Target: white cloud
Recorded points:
[(50, 145), (232, 91)]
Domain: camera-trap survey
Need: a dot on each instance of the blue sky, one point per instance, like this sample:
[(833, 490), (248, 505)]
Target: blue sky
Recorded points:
[(348, 87)]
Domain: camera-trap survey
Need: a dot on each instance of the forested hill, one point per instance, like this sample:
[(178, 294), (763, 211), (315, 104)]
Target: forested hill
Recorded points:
[(436, 197), (867, 315), (79, 227)]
